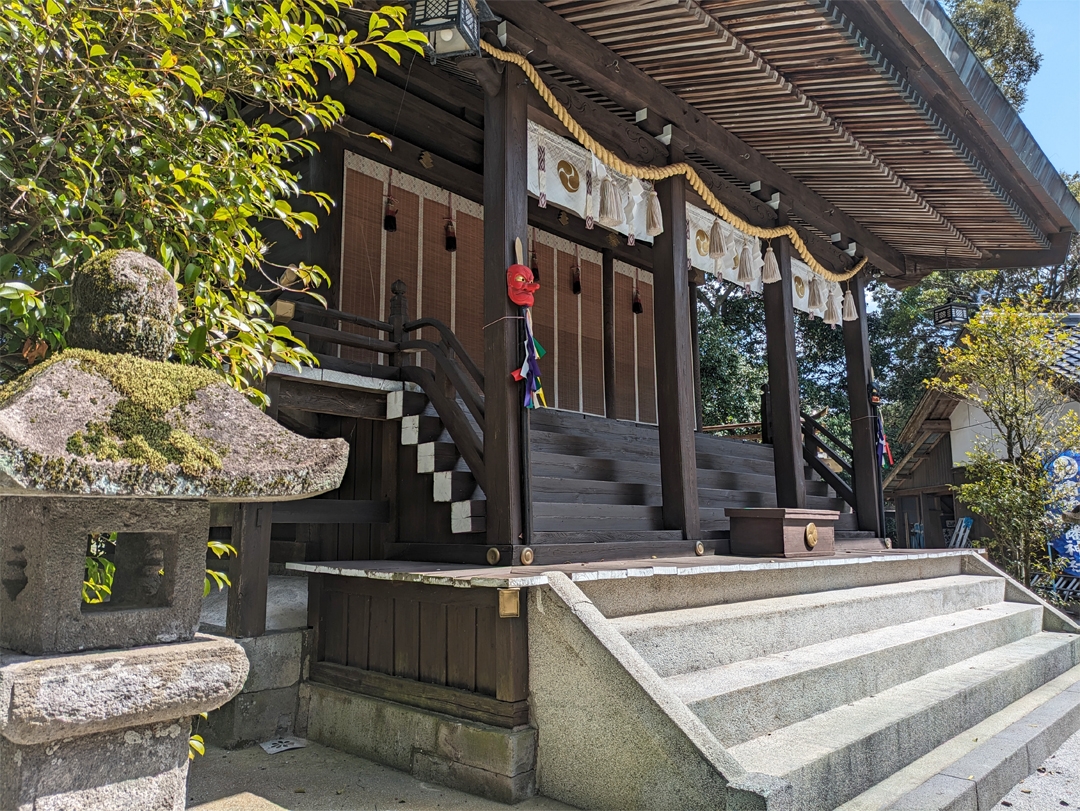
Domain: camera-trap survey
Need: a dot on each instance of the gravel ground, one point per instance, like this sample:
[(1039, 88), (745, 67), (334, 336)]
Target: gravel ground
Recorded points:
[(317, 778), (1055, 785)]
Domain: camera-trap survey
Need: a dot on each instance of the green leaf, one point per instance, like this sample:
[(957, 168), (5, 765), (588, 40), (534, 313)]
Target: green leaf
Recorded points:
[(197, 341), (97, 50)]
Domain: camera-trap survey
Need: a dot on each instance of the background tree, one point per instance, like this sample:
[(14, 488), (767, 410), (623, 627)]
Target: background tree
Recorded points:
[(157, 125), (1002, 42), (1003, 365)]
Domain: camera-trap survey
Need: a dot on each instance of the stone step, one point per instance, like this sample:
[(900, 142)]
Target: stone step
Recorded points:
[(681, 641), (836, 755), (436, 456), (420, 428), (745, 700), (468, 516), (452, 485), (979, 766), (765, 579)]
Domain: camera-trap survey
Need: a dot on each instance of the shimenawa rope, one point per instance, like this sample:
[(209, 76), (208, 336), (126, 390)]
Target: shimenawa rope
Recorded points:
[(654, 173)]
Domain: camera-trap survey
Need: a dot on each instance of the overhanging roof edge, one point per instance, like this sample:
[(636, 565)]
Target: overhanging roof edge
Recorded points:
[(951, 51)]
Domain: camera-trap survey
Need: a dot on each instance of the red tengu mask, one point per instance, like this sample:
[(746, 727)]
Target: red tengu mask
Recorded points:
[(520, 285)]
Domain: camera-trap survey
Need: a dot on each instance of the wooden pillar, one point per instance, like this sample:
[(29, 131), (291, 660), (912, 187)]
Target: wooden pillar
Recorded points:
[(784, 384), (608, 283), (505, 218), (249, 570), (866, 475), (696, 277), (675, 363)]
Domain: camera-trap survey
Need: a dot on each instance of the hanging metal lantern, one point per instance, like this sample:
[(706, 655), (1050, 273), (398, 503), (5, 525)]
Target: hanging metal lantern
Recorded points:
[(452, 26), (952, 314)]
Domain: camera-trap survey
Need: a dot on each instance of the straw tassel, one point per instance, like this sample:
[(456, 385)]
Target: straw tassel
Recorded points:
[(610, 216), (815, 301), (832, 310), (770, 274), (636, 306), (850, 313), (746, 267), (654, 217), (717, 248)]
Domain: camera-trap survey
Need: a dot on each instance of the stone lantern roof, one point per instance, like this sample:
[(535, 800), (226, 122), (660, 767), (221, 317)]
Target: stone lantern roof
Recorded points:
[(110, 417)]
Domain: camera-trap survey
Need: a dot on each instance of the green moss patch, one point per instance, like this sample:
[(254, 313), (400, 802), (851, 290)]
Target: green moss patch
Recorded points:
[(137, 429)]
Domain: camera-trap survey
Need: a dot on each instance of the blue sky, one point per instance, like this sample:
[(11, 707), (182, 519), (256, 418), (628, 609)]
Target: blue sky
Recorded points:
[(1052, 112)]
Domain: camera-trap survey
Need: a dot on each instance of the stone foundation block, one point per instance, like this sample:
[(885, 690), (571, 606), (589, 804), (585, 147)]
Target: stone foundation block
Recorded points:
[(480, 759), (276, 659), (252, 718)]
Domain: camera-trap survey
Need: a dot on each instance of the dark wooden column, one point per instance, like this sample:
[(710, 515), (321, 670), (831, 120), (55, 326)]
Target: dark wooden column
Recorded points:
[(249, 570), (675, 363), (505, 218), (866, 476), (608, 282), (696, 277), (784, 384)]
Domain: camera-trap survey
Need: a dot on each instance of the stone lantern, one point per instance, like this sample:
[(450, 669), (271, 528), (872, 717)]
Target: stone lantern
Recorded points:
[(108, 441)]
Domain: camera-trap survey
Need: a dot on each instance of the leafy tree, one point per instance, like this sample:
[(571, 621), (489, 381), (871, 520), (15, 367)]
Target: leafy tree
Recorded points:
[(158, 125), (1002, 42), (1002, 364)]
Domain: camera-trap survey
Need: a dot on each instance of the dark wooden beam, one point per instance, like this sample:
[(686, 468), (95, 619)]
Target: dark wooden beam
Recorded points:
[(575, 52), (301, 396), (398, 113), (674, 363), (330, 511), (780, 351), (248, 572), (506, 219), (866, 474), (997, 260), (608, 293)]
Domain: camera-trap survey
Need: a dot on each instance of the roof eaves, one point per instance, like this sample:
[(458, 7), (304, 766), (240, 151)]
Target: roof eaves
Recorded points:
[(998, 114)]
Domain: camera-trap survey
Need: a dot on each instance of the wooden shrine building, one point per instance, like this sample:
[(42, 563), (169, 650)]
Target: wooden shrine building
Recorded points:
[(632, 148), (867, 127)]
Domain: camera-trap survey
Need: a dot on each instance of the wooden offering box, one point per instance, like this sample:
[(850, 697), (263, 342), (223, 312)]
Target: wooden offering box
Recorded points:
[(782, 532)]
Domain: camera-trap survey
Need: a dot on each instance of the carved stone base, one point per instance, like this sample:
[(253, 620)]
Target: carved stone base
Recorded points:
[(779, 532), (108, 729)]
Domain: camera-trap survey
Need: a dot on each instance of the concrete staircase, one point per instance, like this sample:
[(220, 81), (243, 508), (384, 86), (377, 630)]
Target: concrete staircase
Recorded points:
[(911, 683)]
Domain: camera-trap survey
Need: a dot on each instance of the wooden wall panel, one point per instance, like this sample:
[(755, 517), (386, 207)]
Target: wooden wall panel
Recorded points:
[(646, 352), (625, 363), (361, 256), (403, 246), (414, 633), (469, 292), (569, 347), (543, 314), (433, 297), (592, 338)]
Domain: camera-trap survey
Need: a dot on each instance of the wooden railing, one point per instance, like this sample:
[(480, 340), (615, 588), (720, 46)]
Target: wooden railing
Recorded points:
[(819, 440), (455, 376)]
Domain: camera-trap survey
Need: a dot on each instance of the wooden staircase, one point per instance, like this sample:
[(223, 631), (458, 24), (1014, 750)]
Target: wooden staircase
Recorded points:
[(598, 480)]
